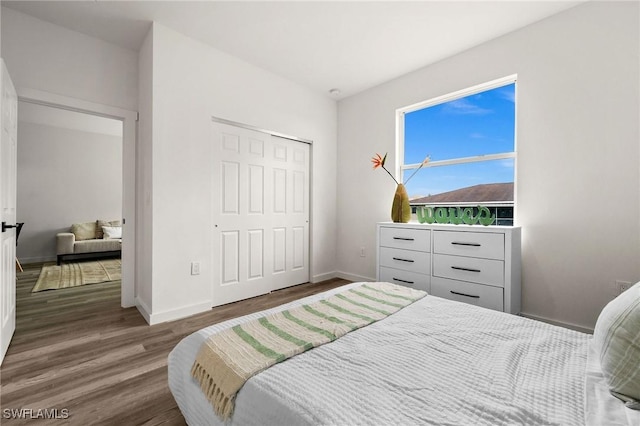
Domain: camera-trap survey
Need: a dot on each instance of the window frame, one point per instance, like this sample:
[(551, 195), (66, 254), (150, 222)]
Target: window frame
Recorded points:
[(402, 168)]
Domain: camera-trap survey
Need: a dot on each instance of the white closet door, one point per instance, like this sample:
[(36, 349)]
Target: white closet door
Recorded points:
[(8, 164), (290, 229), (261, 213)]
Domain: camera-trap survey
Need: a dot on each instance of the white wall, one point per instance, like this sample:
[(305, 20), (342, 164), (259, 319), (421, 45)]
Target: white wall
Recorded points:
[(182, 84), (87, 72), (64, 176), (191, 83), (144, 201), (47, 57), (578, 182)]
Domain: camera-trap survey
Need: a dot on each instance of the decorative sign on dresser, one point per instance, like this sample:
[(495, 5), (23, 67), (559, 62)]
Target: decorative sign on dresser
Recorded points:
[(477, 265)]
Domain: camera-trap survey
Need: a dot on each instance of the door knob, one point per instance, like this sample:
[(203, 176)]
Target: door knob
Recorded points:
[(5, 226)]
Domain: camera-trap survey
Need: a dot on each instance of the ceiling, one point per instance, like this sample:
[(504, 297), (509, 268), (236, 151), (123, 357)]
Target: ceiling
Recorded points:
[(348, 45)]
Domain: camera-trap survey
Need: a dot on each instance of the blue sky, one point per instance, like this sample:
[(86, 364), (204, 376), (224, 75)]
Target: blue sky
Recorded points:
[(482, 123)]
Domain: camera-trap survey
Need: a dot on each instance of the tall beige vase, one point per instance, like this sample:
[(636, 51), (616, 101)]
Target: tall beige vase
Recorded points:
[(401, 210)]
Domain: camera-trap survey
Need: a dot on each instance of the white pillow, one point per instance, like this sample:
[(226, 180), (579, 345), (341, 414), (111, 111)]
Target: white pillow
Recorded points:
[(112, 232), (617, 340)]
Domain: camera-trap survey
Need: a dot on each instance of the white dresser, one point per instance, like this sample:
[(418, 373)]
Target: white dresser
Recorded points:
[(473, 264)]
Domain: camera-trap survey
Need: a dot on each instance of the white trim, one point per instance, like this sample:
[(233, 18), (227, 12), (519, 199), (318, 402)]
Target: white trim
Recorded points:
[(340, 274), (310, 213), (464, 203), (483, 87), (129, 124), (323, 277), (144, 310), (175, 314), (258, 129), (40, 97), (353, 277), (462, 160), (558, 323), (515, 150), (399, 145)]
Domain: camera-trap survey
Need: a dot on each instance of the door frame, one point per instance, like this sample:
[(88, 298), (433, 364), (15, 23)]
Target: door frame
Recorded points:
[(129, 119), (295, 139), (8, 110), (257, 129)]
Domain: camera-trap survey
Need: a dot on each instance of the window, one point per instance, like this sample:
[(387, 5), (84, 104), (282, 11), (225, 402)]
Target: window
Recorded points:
[(470, 138)]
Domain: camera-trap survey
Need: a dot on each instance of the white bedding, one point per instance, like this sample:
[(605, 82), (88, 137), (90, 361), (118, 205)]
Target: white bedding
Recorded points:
[(436, 362), (602, 408)]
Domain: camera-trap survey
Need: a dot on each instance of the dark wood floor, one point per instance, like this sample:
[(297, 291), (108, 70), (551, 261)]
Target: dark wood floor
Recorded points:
[(77, 349)]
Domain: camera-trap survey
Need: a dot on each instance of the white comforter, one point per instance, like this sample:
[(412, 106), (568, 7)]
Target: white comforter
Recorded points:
[(436, 362)]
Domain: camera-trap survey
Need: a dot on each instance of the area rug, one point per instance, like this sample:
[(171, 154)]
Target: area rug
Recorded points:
[(79, 273)]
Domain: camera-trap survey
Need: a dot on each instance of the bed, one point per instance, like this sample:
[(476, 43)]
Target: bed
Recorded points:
[(434, 362)]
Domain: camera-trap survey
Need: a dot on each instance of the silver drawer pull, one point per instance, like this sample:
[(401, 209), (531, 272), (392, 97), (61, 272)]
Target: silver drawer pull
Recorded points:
[(459, 243), (403, 281), (459, 268), (403, 239), (462, 294), (403, 260)]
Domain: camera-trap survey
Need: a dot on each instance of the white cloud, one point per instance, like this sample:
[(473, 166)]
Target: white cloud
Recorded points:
[(463, 106), (508, 94)]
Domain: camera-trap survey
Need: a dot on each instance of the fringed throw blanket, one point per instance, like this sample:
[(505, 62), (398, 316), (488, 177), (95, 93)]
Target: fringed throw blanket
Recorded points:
[(228, 359)]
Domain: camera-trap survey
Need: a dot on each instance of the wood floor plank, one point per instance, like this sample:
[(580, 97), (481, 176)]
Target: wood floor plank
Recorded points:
[(77, 349)]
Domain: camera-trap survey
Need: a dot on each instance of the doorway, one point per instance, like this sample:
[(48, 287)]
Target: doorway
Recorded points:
[(69, 172), (127, 120)]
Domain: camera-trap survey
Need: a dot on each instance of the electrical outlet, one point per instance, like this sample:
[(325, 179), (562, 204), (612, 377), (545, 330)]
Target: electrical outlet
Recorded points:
[(362, 252), (195, 268), (622, 286)]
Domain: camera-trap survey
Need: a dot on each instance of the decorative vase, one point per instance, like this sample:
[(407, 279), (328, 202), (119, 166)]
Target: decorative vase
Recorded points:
[(401, 210)]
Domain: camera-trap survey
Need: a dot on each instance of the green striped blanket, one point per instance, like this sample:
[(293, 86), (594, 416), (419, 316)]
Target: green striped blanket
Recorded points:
[(229, 358)]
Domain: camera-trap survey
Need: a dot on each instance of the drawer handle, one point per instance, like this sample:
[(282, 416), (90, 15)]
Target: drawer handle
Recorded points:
[(459, 268), (403, 260), (403, 281), (462, 294), (459, 243), (403, 239)]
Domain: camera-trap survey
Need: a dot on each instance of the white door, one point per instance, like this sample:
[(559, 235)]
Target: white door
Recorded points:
[(260, 213), (8, 155)]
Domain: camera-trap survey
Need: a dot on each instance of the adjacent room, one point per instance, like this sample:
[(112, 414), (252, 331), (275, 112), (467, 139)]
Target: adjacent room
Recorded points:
[(69, 171), (247, 213)]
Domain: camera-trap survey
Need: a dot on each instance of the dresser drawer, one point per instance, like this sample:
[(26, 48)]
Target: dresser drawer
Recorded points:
[(471, 269), (475, 294), (407, 260), (406, 238), (406, 278), (476, 244)]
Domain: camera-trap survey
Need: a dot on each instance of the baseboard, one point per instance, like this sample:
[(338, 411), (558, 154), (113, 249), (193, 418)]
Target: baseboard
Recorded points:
[(323, 277), (558, 323), (172, 315), (353, 277), (144, 310), (339, 274)]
